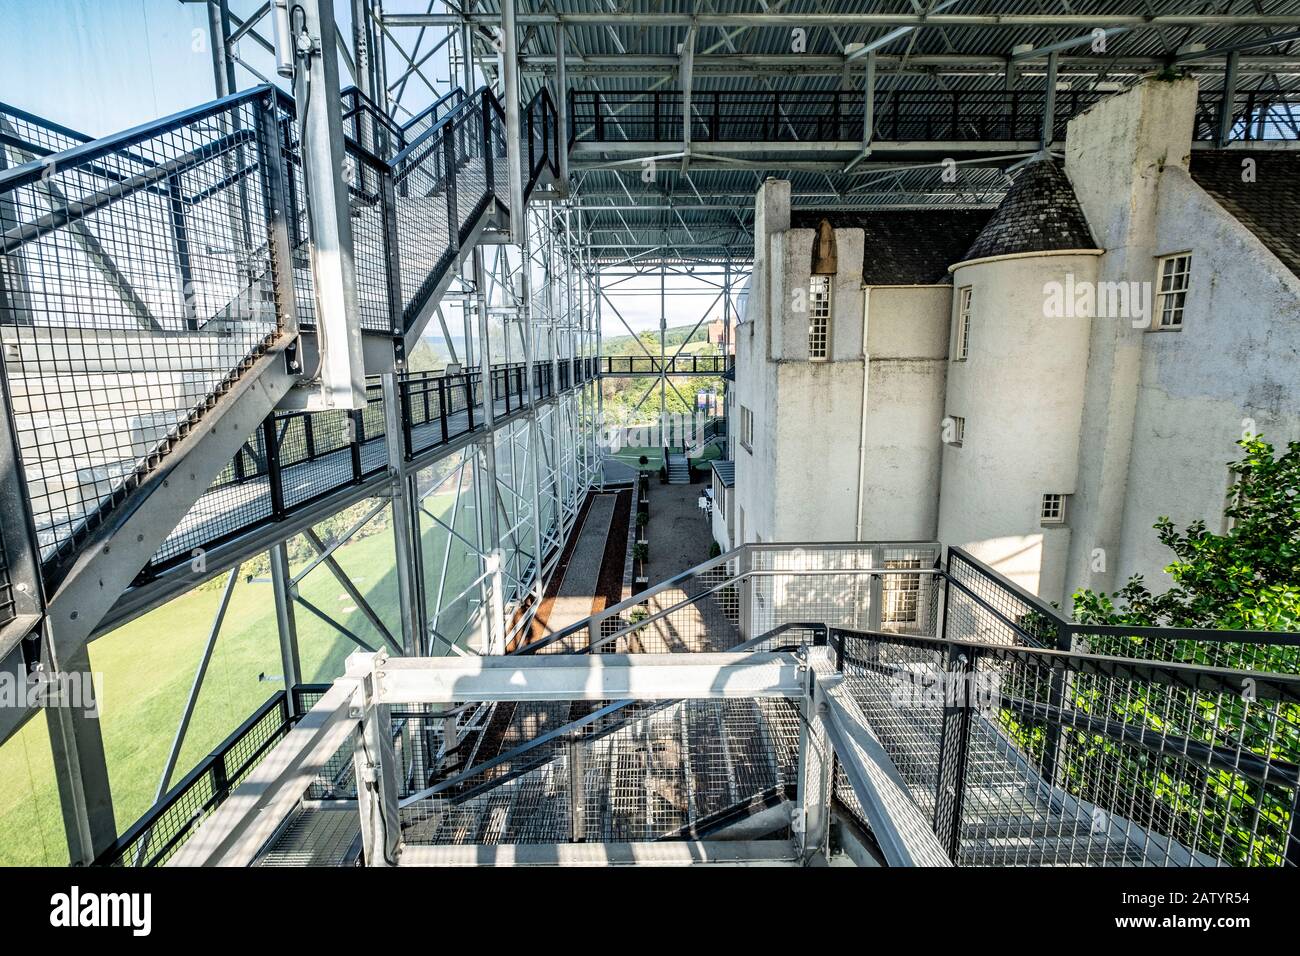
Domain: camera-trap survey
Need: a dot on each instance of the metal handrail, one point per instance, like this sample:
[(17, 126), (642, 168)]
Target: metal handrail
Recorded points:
[(481, 93), (566, 729), (118, 142)]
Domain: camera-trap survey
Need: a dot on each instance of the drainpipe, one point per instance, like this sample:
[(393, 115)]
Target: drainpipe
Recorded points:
[(862, 432)]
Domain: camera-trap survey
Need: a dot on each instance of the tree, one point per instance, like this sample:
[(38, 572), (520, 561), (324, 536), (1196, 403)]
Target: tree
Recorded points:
[(1247, 578)]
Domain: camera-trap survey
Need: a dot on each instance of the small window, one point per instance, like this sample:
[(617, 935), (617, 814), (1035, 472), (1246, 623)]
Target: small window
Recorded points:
[(819, 318), (746, 429), (1175, 277), (963, 324), (955, 430), (900, 593), (1053, 509)]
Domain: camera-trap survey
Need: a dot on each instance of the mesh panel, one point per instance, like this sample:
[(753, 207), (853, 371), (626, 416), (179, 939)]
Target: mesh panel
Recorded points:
[(660, 771), (165, 828), (141, 288)]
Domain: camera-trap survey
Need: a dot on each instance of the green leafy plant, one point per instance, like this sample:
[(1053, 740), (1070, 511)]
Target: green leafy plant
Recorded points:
[(641, 551), (1248, 577)]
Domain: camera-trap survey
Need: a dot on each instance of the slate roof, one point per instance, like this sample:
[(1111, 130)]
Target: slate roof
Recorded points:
[(1039, 213), (1269, 207), (905, 246)]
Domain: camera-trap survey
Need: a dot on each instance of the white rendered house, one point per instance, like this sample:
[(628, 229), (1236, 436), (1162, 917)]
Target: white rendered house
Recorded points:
[(1036, 383)]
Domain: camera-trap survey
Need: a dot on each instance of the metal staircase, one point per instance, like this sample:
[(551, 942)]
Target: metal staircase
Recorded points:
[(157, 305)]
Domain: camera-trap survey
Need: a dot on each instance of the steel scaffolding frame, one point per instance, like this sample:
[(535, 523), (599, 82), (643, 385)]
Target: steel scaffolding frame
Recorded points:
[(549, 446)]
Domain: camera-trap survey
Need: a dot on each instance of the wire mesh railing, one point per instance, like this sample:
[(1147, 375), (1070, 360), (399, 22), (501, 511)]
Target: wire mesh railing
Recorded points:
[(1031, 756), (141, 282), (140, 286), (162, 831), (297, 459), (668, 365), (369, 126)]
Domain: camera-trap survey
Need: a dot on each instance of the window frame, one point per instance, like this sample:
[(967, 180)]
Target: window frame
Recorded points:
[(816, 297), (1060, 505), (900, 594), (746, 428), (959, 423), (961, 348), (1180, 309)]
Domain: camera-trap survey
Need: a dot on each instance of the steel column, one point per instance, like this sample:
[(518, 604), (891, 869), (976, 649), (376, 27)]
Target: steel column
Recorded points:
[(405, 523), (286, 622), (342, 364)]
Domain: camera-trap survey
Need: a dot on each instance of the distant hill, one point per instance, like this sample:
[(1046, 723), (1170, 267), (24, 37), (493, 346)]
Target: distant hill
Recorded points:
[(673, 338)]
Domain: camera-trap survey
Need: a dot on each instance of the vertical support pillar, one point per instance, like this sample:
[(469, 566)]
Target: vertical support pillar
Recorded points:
[(811, 823), (80, 766), (525, 313), (953, 746), (365, 76), (494, 639), (510, 94), (379, 58), (286, 622), (342, 368), (663, 356), (876, 588), (869, 102), (1226, 113), (406, 540), (746, 593), (223, 67), (562, 109), (375, 766), (467, 59), (1049, 101)]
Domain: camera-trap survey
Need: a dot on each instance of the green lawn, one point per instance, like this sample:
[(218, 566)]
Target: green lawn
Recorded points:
[(655, 456), (149, 666)]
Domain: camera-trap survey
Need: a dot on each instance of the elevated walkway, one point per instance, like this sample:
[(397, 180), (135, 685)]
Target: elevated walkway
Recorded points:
[(967, 743), (159, 313)]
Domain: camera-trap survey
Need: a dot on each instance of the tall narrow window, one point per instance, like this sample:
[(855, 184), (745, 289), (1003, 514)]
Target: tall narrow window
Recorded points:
[(963, 324), (819, 318), (746, 429), (954, 430), (1175, 278), (900, 593)]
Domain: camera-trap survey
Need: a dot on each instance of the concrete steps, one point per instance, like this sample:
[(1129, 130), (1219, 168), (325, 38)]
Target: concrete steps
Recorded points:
[(679, 469)]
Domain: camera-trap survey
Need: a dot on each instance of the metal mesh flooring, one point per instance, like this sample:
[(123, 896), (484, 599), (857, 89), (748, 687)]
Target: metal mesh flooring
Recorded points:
[(1011, 816), (316, 838), (655, 776)]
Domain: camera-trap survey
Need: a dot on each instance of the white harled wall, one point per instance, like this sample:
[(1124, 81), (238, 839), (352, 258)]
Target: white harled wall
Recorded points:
[(1020, 391), (1130, 424)]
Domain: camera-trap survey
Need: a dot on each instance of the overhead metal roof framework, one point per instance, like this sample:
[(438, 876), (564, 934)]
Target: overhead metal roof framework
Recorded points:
[(686, 196)]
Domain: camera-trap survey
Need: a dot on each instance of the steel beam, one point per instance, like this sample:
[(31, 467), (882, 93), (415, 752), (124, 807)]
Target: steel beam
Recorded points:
[(406, 535), (430, 680), (342, 370), (286, 623), (561, 109), (868, 20), (510, 93)]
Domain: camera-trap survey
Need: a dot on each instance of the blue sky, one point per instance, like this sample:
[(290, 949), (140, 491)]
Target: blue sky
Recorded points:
[(100, 66)]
